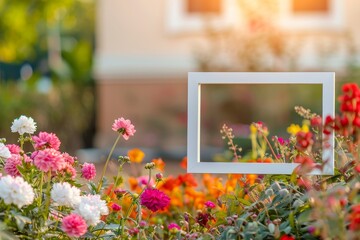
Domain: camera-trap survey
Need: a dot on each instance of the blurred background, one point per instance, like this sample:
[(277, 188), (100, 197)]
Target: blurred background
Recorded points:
[(76, 65)]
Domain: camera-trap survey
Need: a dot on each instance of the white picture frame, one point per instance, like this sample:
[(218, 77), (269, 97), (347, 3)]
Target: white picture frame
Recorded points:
[(196, 79)]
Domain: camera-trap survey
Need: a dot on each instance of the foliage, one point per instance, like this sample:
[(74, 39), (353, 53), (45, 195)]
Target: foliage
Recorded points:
[(50, 37)]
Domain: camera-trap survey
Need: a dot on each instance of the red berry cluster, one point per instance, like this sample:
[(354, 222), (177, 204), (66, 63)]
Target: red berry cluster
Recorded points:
[(348, 122)]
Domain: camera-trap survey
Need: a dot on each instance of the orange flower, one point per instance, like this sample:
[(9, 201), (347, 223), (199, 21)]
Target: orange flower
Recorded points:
[(183, 163), (251, 178), (159, 164), (136, 155), (134, 184), (266, 160), (187, 179), (110, 193), (213, 184), (170, 183)]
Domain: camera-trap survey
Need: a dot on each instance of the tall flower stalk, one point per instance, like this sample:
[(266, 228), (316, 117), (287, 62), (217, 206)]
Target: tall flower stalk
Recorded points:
[(125, 129)]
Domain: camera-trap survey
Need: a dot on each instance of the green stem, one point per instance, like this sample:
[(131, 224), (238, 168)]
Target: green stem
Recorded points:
[(41, 188), (47, 204), (122, 222), (107, 162)]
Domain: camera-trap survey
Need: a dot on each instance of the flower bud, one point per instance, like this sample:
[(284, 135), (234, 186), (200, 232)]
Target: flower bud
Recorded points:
[(115, 207), (150, 165), (159, 176)]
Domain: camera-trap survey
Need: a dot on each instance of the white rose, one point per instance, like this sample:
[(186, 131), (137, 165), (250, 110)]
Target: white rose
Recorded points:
[(15, 190), (64, 194), (23, 125), (4, 151)]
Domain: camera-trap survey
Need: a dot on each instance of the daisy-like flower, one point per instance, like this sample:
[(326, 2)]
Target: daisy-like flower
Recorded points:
[(154, 199), (49, 160), (124, 127), (14, 190), (46, 140), (88, 171), (63, 194), (74, 225), (4, 151), (23, 125), (91, 207)]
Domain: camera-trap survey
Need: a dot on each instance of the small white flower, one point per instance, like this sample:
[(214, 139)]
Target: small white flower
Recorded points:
[(23, 125), (91, 207), (15, 190), (64, 194), (4, 151)]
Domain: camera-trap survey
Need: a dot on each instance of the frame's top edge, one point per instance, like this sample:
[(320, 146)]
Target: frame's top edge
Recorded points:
[(262, 72)]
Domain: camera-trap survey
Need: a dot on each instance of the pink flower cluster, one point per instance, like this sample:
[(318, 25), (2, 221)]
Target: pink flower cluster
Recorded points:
[(154, 199), (49, 159), (12, 163), (46, 140), (173, 226), (74, 225), (124, 127), (88, 171)]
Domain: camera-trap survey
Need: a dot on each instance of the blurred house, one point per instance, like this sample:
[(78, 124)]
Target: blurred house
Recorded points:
[(146, 48)]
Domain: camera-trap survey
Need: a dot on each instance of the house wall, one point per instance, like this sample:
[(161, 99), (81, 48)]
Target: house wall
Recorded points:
[(141, 66)]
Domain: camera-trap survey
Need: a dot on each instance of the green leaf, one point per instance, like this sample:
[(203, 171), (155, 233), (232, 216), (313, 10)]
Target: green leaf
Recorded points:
[(292, 219), (21, 221), (244, 202)]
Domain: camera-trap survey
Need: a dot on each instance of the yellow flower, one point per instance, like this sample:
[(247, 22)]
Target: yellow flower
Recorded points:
[(253, 129), (136, 155), (293, 129), (305, 126)]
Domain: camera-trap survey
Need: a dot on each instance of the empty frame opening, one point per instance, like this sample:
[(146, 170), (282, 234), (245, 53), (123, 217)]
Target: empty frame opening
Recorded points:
[(240, 105)]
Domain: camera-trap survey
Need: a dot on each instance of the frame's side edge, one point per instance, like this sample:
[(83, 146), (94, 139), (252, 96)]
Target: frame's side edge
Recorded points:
[(329, 110), (193, 126)]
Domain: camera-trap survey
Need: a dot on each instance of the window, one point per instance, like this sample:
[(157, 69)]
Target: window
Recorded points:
[(311, 14), (191, 16), (310, 6), (204, 6)]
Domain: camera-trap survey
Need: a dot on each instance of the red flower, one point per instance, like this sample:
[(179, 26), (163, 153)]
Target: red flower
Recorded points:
[(203, 218), (316, 121), (357, 168), (304, 140), (354, 218), (187, 179), (154, 199), (287, 237), (183, 163)]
